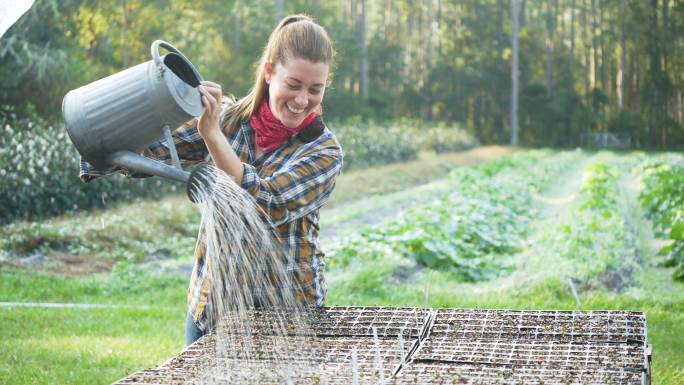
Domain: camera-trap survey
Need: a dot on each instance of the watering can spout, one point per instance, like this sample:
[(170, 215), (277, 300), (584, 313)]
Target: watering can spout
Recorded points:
[(198, 183), (132, 161)]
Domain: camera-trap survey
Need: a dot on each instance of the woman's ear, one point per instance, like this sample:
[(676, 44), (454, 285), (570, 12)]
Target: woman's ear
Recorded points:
[(268, 72)]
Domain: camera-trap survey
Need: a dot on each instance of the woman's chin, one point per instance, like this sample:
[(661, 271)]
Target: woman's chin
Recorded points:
[(292, 122)]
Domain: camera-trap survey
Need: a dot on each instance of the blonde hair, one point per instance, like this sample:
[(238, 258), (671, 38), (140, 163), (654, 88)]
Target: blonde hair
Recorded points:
[(296, 36)]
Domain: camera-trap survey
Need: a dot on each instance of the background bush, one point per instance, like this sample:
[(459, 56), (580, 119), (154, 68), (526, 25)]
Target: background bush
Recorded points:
[(441, 138), (39, 173), (663, 200), (39, 164), (370, 143)]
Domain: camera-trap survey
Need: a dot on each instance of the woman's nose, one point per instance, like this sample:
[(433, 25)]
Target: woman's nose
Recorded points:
[(301, 99)]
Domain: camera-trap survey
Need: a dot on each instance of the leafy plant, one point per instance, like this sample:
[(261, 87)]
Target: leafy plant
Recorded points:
[(597, 188), (663, 200), (39, 173), (371, 143), (465, 231), (593, 238)]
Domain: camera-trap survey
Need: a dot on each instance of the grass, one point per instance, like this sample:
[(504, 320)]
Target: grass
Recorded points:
[(397, 177), (120, 287), (84, 346), (93, 345), (101, 345)]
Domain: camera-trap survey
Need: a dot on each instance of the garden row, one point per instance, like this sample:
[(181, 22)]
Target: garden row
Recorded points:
[(595, 243), (39, 165), (468, 230), (663, 200)]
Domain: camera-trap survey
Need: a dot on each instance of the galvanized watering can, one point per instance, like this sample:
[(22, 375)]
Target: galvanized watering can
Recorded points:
[(112, 120)]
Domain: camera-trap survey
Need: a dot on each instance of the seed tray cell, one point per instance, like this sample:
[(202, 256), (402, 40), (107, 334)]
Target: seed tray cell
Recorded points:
[(566, 326), (341, 321), (532, 353), (442, 373), (360, 321), (381, 354), (156, 377), (269, 322)]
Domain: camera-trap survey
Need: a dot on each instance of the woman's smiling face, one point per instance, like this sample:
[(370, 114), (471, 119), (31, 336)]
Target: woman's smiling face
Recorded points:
[(295, 89)]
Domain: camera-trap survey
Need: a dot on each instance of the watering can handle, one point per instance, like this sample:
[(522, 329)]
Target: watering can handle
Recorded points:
[(154, 48)]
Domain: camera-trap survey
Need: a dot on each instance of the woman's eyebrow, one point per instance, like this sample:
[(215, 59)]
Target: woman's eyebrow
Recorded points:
[(299, 81)]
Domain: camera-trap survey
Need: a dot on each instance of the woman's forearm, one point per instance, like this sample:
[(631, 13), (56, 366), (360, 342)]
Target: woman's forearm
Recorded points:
[(224, 156)]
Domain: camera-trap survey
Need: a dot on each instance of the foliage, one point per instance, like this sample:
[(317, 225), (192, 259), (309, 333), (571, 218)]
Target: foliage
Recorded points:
[(129, 234), (39, 173), (593, 237), (370, 143), (465, 230), (598, 188), (39, 165), (663, 200), (367, 144), (440, 138), (450, 62)]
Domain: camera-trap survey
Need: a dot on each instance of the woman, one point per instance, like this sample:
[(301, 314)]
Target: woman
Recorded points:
[(278, 150), (275, 145)]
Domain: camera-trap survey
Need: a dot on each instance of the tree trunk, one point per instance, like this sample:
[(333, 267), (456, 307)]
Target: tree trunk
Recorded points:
[(636, 78), (586, 49), (236, 35), (125, 60), (603, 66), (572, 33), (623, 58), (522, 16), (500, 25), (665, 39), (655, 72), (594, 53), (665, 52), (549, 47), (439, 26), (427, 108), (515, 15), (559, 20), (364, 50)]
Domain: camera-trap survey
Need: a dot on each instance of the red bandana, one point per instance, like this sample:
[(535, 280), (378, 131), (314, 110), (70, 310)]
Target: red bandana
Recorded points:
[(270, 131)]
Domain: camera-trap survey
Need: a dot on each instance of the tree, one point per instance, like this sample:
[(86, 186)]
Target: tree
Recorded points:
[(515, 16)]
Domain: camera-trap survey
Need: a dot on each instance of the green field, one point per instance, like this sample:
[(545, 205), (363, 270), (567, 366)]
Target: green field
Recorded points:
[(400, 235)]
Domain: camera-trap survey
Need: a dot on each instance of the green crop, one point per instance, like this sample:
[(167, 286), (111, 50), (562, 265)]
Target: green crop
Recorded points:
[(663, 200), (466, 231)]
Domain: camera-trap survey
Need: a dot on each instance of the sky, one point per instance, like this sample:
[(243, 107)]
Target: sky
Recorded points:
[(11, 11)]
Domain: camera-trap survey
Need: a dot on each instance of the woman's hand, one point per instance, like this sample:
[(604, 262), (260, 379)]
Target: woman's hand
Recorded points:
[(221, 153), (208, 124)]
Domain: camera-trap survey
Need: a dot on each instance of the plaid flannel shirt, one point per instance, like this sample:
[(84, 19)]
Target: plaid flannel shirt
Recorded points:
[(290, 184)]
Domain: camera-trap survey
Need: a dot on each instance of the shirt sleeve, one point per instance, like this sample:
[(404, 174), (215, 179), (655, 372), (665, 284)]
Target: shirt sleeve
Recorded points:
[(189, 146), (299, 188)]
